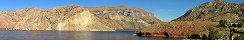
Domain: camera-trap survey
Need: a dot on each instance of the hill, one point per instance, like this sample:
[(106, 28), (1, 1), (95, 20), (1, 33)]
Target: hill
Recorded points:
[(214, 11), (199, 20)]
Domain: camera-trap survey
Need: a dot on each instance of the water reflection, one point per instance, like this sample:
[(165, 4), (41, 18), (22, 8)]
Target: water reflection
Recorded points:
[(73, 35)]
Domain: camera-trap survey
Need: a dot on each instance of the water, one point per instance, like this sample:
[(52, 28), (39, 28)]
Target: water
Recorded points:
[(73, 35)]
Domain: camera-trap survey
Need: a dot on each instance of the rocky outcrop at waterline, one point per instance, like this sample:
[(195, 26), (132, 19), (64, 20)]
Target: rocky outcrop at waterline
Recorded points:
[(76, 18)]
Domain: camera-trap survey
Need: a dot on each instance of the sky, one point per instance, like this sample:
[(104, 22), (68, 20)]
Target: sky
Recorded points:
[(165, 10)]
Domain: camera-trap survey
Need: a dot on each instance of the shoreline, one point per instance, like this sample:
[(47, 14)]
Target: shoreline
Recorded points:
[(66, 30)]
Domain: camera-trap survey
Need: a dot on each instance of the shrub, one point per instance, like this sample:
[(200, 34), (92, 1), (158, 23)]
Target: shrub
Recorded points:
[(234, 25), (212, 34), (222, 23), (238, 25), (241, 23)]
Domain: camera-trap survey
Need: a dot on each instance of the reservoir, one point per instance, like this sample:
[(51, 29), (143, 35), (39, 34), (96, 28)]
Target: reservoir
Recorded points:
[(74, 35)]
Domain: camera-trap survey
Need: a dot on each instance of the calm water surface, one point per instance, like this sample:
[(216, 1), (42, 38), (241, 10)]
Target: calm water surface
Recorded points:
[(74, 35)]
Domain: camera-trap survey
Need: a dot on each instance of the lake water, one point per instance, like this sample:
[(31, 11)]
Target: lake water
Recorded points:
[(74, 35)]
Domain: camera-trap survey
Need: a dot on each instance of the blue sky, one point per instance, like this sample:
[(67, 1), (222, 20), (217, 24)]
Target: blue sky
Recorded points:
[(165, 10)]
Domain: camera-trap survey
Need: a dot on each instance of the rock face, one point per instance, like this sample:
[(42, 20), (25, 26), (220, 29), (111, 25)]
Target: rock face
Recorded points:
[(214, 11), (76, 18)]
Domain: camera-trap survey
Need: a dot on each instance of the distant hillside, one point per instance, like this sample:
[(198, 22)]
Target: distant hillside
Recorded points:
[(214, 11), (76, 18)]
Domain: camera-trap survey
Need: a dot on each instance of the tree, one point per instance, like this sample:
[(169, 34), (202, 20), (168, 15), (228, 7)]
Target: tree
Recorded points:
[(241, 23), (212, 34), (234, 25), (222, 23)]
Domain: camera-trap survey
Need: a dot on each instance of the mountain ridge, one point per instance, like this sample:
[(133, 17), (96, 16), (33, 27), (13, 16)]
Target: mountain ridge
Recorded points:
[(70, 18)]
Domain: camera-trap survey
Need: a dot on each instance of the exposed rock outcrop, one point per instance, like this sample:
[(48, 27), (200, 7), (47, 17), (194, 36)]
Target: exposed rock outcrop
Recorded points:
[(76, 18)]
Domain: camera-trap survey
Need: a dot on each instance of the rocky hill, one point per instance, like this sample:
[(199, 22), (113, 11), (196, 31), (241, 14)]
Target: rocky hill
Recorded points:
[(199, 20), (76, 18), (214, 11), (181, 28)]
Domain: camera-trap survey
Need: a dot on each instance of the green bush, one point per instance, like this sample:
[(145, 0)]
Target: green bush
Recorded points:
[(212, 34), (222, 23), (241, 23), (234, 25)]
